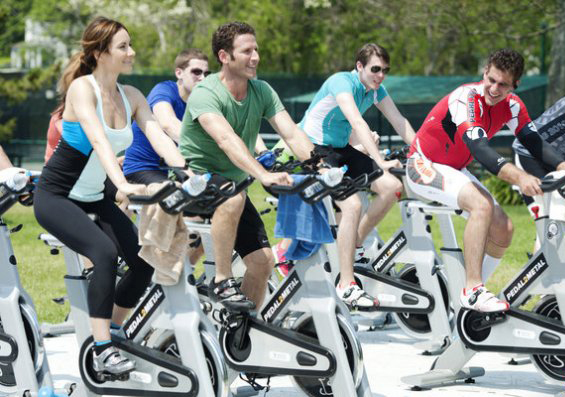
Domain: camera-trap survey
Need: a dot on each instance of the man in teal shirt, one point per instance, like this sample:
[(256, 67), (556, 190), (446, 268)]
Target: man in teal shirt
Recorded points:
[(334, 123), (218, 134)]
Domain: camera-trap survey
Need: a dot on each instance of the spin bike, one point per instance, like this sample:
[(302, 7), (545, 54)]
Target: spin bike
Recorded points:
[(24, 370), (539, 332), (416, 293), (302, 330), (195, 368)]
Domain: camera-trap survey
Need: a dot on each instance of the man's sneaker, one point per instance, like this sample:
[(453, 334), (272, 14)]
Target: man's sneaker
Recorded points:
[(481, 300), (227, 293), (112, 362), (354, 297), (360, 255)]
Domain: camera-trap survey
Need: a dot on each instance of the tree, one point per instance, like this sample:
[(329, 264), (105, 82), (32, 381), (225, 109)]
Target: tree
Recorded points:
[(12, 23), (556, 76), (15, 91)]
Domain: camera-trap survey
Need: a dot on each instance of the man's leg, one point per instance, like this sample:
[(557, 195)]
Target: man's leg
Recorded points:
[(346, 236), (252, 244), (348, 290), (224, 227), (457, 188), (498, 240), (387, 188), (259, 266), (224, 288), (488, 231), (480, 207)]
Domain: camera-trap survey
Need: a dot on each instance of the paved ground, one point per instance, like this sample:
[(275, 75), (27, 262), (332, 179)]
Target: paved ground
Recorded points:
[(389, 355)]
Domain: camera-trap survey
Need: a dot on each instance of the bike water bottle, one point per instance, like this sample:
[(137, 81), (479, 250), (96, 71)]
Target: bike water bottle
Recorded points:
[(196, 184), (267, 159), (11, 180), (333, 176), (17, 182)]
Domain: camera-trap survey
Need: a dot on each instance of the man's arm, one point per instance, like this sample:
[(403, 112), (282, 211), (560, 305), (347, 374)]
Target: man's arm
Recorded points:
[(293, 136), (361, 129), (400, 124), (260, 145), (529, 184), (4, 160), (162, 144), (165, 115), (476, 140), (232, 145)]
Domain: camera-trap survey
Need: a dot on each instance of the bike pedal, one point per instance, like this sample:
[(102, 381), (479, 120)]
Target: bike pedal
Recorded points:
[(108, 377), (487, 320), (364, 309)]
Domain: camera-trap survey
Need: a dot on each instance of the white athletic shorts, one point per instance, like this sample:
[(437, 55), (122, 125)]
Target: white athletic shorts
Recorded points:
[(438, 182)]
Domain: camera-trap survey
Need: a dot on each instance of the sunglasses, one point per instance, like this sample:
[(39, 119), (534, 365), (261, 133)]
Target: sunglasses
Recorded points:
[(377, 69), (198, 72)]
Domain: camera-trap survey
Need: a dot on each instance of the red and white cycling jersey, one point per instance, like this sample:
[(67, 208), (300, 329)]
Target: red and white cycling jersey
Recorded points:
[(440, 136)]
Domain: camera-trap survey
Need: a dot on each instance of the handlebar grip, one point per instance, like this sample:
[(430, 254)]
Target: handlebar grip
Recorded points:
[(548, 185), (398, 171), (297, 188)]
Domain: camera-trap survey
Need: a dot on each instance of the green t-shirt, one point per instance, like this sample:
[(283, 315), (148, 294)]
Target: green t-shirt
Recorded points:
[(211, 96)]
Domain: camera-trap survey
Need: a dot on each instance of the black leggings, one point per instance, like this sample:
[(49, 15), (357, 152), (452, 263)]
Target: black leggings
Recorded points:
[(113, 234)]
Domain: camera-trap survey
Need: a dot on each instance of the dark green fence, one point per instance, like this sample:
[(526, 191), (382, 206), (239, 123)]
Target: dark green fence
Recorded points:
[(414, 96)]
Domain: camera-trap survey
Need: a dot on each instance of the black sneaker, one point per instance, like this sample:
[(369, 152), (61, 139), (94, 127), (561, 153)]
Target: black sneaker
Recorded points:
[(227, 293)]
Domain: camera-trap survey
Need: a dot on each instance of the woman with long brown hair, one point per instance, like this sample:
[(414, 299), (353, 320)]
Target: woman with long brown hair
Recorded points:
[(97, 114)]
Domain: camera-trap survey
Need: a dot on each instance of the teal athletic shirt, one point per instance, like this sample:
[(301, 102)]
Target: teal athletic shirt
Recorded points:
[(324, 122)]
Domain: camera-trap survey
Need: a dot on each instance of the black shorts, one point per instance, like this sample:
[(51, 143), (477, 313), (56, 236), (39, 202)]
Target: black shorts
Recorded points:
[(147, 177), (358, 163)]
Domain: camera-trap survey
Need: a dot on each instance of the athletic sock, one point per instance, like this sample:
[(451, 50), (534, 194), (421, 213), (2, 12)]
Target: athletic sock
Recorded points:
[(113, 325), (489, 266), (100, 346)]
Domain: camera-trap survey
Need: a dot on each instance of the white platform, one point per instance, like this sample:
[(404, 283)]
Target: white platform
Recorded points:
[(389, 355)]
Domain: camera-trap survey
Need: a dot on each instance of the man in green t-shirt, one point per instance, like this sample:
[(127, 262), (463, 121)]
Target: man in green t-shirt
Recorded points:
[(218, 134)]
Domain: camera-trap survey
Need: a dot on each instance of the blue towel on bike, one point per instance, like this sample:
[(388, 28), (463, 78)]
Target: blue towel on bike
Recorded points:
[(306, 224)]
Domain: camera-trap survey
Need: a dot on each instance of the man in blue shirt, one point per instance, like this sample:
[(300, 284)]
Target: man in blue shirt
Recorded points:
[(334, 123)]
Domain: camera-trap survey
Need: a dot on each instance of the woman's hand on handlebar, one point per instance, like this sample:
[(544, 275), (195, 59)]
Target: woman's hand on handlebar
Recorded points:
[(276, 178), (129, 189)]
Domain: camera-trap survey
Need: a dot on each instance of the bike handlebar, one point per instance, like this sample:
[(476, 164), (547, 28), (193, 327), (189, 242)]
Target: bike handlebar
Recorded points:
[(173, 199), (549, 184), (307, 181), (401, 172), (159, 195)]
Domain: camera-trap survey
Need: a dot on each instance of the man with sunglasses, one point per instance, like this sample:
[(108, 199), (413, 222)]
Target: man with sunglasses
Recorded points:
[(333, 120), (457, 130), (168, 103)]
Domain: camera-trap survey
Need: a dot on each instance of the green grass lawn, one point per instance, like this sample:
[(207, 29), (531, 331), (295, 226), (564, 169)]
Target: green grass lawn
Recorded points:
[(42, 273)]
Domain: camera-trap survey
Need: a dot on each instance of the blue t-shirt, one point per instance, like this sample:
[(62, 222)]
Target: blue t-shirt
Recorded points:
[(141, 156), (324, 122)]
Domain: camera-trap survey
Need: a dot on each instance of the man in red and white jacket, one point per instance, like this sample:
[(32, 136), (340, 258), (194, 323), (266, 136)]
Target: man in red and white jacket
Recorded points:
[(457, 130)]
